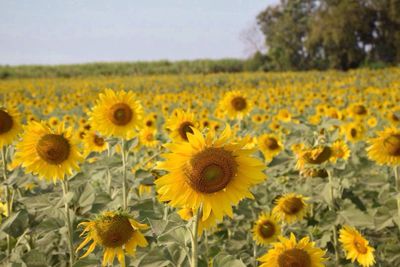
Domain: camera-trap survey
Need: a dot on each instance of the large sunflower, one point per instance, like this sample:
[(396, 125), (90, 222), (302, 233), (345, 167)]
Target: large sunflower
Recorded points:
[(213, 172), (289, 253), (291, 207), (236, 104), (9, 126), (49, 153), (180, 125), (116, 114), (385, 148), (356, 247), (115, 232), (266, 229)]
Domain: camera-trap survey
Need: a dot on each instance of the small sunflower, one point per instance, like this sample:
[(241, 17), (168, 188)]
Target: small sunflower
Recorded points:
[(270, 145), (213, 172), (93, 142), (49, 153), (10, 126), (354, 132), (340, 150), (180, 125), (116, 232), (313, 156), (266, 229), (236, 104), (356, 247), (289, 253), (385, 148), (116, 114), (290, 207), (148, 138)]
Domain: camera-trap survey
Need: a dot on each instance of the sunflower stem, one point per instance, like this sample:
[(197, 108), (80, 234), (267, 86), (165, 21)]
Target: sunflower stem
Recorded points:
[(255, 254), (332, 207), (65, 188), (194, 261), (124, 195), (397, 178), (7, 193), (109, 178)]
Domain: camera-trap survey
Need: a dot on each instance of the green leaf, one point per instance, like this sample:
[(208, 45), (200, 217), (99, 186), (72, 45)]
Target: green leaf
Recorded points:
[(223, 259), (16, 224), (35, 258)]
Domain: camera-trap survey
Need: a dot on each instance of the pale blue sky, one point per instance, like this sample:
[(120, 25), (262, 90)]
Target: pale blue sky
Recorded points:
[(71, 31)]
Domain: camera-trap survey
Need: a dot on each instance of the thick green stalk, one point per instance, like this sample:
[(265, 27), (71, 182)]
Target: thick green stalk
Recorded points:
[(124, 193), (7, 193), (109, 177), (332, 207), (65, 188), (195, 256), (397, 178)]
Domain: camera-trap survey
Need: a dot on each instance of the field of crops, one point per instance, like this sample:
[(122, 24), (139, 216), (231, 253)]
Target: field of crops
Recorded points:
[(261, 169)]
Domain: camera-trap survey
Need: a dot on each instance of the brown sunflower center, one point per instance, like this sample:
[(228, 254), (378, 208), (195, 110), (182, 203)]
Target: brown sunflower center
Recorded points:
[(271, 143), (360, 246), (53, 148), (392, 145), (98, 140), (239, 103), (121, 114), (149, 123), (318, 155), (294, 257), (353, 132), (114, 232), (360, 110), (267, 229), (184, 129), (211, 170), (6, 122), (292, 205)]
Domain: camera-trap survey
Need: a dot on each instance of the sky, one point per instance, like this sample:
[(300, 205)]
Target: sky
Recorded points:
[(71, 31)]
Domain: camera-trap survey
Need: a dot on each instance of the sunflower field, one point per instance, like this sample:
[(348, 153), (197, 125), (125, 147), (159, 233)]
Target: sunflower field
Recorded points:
[(290, 169)]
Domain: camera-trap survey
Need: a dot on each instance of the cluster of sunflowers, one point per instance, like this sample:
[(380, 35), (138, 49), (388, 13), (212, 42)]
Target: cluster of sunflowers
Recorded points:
[(172, 170)]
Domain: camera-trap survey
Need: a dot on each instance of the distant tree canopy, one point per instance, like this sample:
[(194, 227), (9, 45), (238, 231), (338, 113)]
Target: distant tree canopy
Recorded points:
[(341, 34)]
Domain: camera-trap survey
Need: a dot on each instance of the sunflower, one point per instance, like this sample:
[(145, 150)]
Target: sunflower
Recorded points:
[(358, 110), (340, 150), (148, 138), (213, 172), (356, 246), (236, 104), (9, 126), (385, 148), (93, 142), (354, 132), (49, 153), (180, 125), (266, 229), (270, 145), (116, 232), (313, 156), (116, 114), (289, 253), (290, 207)]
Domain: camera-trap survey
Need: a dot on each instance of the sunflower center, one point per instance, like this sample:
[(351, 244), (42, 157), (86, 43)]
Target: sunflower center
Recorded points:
[(239, 103), (294, 257), (353, 132), (271, 143), (318, 155), (114, 231), (211, 170), (267, 229), (360, 247), (292, 205), (53, 148), (360, 110), (99, 140), (121, 114), (6, 122), (184, 129), (392, 145), (149, 123)]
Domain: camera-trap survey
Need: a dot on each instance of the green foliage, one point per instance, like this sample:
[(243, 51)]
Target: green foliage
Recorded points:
[(341, 34), (123, 69)]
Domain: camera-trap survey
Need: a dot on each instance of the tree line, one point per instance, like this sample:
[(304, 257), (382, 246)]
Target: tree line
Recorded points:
[(322, 34)]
